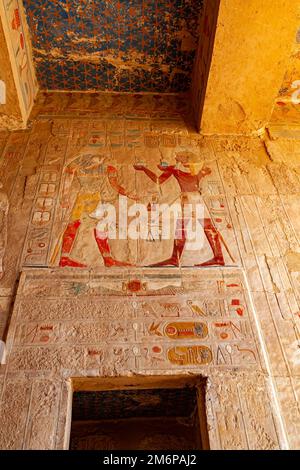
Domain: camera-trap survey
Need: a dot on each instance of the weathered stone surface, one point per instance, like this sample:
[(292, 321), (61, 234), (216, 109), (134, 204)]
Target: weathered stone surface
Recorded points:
[(184, 322), (16, 66), (123, 321), (5, 304), (43, 416), (4, 206), (289, 391), (240, 413), (235, 78), (10, 116), (212, 309), (15, 404)]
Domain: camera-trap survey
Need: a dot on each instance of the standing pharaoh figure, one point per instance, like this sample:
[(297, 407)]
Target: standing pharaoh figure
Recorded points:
[(4, 206), (188, 178)]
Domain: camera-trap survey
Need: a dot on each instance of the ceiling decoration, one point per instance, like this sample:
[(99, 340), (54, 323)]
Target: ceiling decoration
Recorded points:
[(114, 45)]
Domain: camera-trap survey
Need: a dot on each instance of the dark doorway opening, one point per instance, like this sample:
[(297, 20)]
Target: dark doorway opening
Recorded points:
[(138, 419)]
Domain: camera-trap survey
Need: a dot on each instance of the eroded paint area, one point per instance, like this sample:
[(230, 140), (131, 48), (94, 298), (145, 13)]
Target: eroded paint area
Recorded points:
[(287, 106), (119, 45), (20, 60), (288, 91)]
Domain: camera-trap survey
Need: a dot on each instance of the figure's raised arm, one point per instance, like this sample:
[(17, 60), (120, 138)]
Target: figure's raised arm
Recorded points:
[(112, 174), (166, 173), (204, 172)]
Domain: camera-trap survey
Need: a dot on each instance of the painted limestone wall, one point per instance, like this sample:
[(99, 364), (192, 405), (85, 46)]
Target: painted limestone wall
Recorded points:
[(22, 88), (127, 322), (10, 112), (208, 24), (244, 81), (86, 148), (288, 88), (286, 109)]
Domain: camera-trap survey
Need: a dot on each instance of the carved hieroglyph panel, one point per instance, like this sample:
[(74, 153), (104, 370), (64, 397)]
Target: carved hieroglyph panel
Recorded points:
[(150, 322), (142, 321)]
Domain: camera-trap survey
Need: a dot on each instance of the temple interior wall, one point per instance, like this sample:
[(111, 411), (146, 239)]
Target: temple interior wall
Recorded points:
[(115, 315)]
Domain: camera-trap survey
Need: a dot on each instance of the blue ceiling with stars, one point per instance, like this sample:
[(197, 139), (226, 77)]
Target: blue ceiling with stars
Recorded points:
[(114, 45)]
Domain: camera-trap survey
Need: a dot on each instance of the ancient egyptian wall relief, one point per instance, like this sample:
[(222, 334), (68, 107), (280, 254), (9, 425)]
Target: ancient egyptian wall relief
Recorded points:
[(150, 161), (257, 183), (152, 320), (4, 206), (119, 323), (14, 25)]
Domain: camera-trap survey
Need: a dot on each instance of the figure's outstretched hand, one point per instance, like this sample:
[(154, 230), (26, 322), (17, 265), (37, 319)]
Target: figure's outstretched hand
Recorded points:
[(138, 167), (206, 171)]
